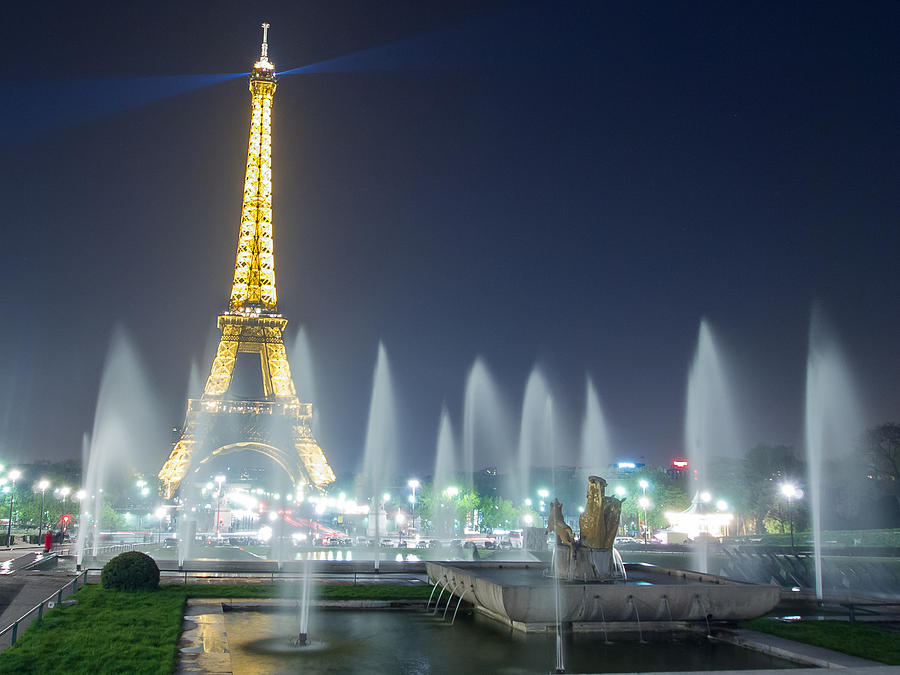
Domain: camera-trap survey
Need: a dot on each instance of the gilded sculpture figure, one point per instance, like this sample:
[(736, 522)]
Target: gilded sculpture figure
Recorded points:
[(600, 521), (556, 523)]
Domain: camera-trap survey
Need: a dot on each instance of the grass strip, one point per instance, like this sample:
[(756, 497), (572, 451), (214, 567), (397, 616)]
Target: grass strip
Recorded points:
[(138, 632), (856, 639)]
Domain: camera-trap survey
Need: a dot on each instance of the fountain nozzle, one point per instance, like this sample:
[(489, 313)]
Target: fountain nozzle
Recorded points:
[(301, 641)]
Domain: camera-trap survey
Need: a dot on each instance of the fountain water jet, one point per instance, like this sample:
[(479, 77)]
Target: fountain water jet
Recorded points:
[(127, 428), (485, 430), (381, 440), (832, 419), (596, 450), (444, 471), (533, 431), (304, 374), (710, 425)]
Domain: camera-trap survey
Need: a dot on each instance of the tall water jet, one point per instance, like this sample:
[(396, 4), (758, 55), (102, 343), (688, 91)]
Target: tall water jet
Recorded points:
[(127, 428), (710, 425), (533, 429), (444, 472), (381, 440), (485, 425), (195, 384), (833, 419), (596, 450), (304, 374)]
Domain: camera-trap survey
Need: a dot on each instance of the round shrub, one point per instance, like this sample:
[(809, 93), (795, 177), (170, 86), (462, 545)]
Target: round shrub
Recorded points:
[(131, 571)]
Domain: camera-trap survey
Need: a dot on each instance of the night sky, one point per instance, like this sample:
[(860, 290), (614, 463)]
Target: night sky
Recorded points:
[(572, 184)]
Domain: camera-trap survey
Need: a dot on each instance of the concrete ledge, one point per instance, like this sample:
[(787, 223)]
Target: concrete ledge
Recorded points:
[(798, 652), (203, 647)]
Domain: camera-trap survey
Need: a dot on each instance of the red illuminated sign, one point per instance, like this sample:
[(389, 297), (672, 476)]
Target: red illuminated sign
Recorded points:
[(679, 463)]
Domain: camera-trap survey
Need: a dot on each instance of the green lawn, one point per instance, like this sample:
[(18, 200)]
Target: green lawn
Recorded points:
[(857, 639), (137, 632)]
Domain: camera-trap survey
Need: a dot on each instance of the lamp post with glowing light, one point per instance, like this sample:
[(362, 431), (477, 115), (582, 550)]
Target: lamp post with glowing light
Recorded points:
[(42, 486), (13, 477), (790, 491), (620, 493), (160, 514), (414, 485), (644, 503), (64, 492), (220, 480)]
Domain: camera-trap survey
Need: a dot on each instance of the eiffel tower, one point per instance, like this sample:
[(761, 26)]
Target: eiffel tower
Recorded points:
[(277, 426)]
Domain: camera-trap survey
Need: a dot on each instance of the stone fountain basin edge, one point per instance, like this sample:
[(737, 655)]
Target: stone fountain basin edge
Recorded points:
[(662, 596)]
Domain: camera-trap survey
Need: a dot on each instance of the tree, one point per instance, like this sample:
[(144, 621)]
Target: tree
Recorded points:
[(498, 512), (881, 446), (765, 468)]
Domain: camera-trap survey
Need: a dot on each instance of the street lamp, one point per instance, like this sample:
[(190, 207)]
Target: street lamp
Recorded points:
[(220, 480), (13, 476), (644, 503), (42, 486), (414, 484), (160, 514), (791, 491)]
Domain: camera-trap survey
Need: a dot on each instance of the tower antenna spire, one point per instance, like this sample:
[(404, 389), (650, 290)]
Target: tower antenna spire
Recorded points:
[(264, 53)]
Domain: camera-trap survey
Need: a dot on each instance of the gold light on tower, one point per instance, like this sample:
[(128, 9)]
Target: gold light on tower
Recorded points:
[(252, 325)]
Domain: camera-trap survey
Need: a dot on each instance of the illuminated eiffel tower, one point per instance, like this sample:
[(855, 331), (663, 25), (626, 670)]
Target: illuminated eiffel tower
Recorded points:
[(278, 425)]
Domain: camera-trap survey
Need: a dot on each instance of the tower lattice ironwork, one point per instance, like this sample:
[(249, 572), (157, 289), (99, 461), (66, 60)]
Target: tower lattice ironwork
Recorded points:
[(279, 425)]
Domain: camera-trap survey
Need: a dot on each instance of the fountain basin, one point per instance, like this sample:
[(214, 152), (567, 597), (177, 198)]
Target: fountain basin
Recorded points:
[(352, 640), (522, 596)]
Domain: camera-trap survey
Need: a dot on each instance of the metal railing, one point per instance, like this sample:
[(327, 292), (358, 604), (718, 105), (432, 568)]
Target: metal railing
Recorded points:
[(56, 598), (71, 550)]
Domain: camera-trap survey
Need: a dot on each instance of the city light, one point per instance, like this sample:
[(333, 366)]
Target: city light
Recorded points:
[(451, 491), (620, 491), (644, 484), (705, 496), (543, 494), (722, 505)]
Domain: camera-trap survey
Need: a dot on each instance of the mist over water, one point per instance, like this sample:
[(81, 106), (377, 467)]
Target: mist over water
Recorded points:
[(128, 431), (534, 430), (710, 424), (596, 449), (833, 419)]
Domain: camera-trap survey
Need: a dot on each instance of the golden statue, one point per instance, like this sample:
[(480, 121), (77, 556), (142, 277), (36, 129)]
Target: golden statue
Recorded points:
[(557, 523), (600, 521)]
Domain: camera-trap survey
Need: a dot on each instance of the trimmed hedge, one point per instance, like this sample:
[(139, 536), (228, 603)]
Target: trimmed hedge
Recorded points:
[(131, 571)]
